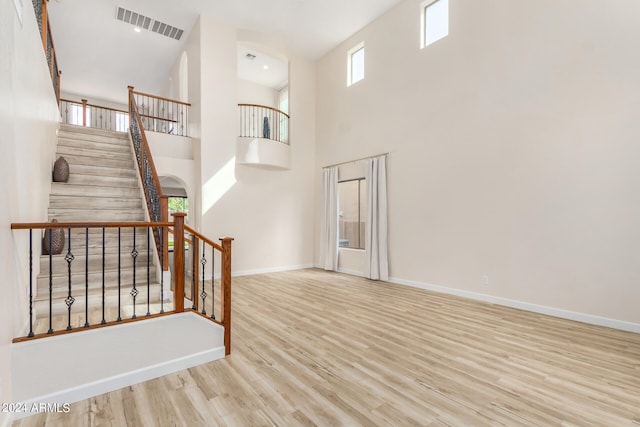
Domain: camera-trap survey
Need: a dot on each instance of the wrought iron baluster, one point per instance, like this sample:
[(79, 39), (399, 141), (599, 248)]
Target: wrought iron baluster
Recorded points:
[(162, 272), (30, 282), (119, 274), (148, 270), (86, 277), (69, 299), (203, 295), (50, 331), (103, 281), (134, 291)]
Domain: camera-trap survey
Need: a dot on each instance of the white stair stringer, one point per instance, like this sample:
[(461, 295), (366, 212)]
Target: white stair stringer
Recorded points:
[(103, 186)]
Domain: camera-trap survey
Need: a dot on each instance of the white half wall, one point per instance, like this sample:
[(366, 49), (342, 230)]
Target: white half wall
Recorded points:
[(513, 148), (110, 358)]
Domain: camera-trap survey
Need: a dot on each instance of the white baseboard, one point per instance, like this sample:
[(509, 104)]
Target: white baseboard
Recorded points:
[(271, 270), (535, 308), (124, 380)]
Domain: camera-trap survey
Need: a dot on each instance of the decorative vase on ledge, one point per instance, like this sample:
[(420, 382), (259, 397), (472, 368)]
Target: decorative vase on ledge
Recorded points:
[(61, 170), (54, 239)]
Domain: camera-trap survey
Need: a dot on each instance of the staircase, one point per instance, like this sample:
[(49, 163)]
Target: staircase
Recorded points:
[(103, 186)]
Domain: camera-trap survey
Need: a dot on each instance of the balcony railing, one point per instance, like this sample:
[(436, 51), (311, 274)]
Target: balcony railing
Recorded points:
[(94, 116), (261, 121), (160, 114)]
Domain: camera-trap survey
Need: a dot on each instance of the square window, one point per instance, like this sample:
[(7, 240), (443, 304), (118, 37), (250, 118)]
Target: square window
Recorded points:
[(435, 21), (355, 64)]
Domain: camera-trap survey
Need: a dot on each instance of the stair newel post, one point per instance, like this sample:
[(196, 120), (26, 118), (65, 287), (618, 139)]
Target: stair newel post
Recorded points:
[(226, 292), (84, 112), (178, 261), (164, 217)]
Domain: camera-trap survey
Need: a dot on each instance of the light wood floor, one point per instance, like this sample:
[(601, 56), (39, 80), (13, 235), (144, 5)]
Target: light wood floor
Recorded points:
[(325, 349)]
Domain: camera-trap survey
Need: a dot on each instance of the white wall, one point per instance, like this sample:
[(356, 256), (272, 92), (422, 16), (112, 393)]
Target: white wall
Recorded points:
[(253, 93), (28, 118), (268, 212), (513, 148)]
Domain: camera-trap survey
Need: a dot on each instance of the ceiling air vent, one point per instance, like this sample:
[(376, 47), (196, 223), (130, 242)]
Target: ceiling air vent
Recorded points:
[(250, 56), (141, 21)]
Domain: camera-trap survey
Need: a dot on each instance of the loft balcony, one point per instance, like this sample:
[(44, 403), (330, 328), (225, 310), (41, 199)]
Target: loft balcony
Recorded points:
[(263, 138)]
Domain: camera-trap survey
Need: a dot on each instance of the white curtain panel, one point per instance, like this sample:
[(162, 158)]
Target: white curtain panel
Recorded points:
[(329, 226), (376, 262)]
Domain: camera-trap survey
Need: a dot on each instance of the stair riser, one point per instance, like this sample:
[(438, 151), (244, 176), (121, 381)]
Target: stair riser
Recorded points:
[(74, 159), (64, 151), (103, 171), (83, 216), (95, 263), (78, 202), (60, 189), (89, 180), (82, 131), (61, 282), (111, 300), (117, 146)]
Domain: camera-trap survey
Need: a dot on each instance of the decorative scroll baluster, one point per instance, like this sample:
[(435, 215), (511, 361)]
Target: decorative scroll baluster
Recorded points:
[(203, 295), (69, 300), (119, 275), (103, 281), (134, 291), (148, 270), (86, 277), (30, 282)]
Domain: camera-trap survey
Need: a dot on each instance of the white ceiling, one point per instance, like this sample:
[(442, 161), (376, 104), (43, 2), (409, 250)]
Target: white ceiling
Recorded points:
[(99, 55)]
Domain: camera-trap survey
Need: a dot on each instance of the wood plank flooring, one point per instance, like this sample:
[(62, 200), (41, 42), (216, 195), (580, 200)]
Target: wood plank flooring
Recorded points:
[(312, 348)]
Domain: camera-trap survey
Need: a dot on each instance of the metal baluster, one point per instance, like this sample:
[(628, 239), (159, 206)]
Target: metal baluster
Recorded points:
[(134, 291), (50, 331), (119, 277), (148, 269), (162, 272), (69, 299), (203, 295), (86, 277), (30, 282), (103, 284), (213, 294)]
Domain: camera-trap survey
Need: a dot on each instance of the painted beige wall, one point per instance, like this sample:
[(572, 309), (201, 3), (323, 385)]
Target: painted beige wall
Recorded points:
[(513, 148), (253, 93), (28, 117), (268, 212)]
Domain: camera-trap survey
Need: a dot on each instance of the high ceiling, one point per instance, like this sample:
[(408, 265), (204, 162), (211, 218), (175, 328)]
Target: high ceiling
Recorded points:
[(100, 55)]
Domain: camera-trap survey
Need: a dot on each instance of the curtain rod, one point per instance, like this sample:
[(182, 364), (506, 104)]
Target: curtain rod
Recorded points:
[(356, 160)]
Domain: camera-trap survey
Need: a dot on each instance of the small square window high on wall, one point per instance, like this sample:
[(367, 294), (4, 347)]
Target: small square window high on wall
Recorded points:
[(355, 64), (435, 21)]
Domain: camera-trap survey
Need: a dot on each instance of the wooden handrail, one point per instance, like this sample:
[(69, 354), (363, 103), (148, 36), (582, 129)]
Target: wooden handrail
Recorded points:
[(265, 106), (160, 98), (145, 148), (93, 105), (126, 224), (203, 238)]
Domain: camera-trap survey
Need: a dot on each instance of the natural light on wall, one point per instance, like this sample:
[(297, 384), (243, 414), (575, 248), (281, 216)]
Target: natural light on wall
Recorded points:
[(435, 21), (218, 185)]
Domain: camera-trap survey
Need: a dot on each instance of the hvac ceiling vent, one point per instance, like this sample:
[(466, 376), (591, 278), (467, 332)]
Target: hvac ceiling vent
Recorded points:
[(250, 56), (141, 21)]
